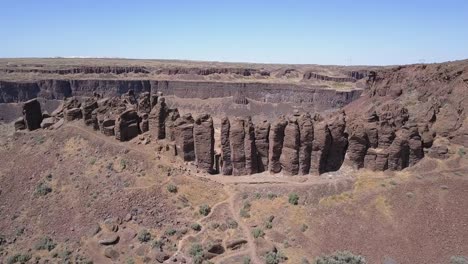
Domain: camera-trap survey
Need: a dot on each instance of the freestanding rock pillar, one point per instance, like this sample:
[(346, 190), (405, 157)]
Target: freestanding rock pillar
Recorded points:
[(276, 144), (262, 132), (32, 114), (306, 131), (203, 132), (184, 137), (289, 158), (226, 147)]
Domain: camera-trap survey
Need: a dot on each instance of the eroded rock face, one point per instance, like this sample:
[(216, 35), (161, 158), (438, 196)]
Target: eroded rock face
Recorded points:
[(320, 148), (237, 141), (262, 131), (339, 143), (358, 144), (184, 137), (144, 123), (87, 109), (73, 114), (144, 103), (226, 147), (171, 117), (306, 131), (276, 144), (398, 152), (289, 158), (127, 125), (32, 114), (20, 124), (251, 162), (203, 132), (158, 118)]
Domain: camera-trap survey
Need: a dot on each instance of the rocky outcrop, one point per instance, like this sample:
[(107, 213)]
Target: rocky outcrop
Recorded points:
[(226, 147), (338, 144), (320, 148), (158, 118), (315, 76), (73, 114), (32, 114), (144, 103), (289, 157), (87, 109), (144, 123), (203, 133), (127, 125), (19, 124), (250, 149), (358, 143), (171, 117), (276, 144), (262, 132), (237, 141), (306, 131), (184, 137)]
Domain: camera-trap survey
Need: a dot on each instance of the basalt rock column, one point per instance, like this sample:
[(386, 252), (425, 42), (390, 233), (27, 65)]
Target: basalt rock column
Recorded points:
[(126, 125), (371, 130), (32, 114), (203, 132), (398, 152), (251, 162), (306, 131), (184, 137), (415, 145), (262, 131), (237, 141), (289, 158), (158, 118), (226, 147), (320, 148), (87, 108), (171, 117), (339, 143), (144, 103), (276, 144), (358, 145), (144, 123)]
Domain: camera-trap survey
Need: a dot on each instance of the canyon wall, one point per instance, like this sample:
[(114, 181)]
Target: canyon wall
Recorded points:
[(320, 97)]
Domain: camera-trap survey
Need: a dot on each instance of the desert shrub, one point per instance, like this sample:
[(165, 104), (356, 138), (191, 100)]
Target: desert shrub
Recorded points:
[(204, 209), (196, 226), (459, 260), (43, 189), (274, 258), (304, 227), (19, 258), (293, 199), (123, 164), (461, 152), (214, 225), (130, 261), (196, 251), (246, 260), (269, 222), (157, 243), (45, 243), (2, 240), (170, 232), (341, 257), (258, 195), (271, 196), (258, 232), (305, 261), (232, 224), (144, 236), (171, 188), (245, 210)]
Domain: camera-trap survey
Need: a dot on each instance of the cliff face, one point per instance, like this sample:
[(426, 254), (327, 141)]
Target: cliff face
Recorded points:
[(263, 92)]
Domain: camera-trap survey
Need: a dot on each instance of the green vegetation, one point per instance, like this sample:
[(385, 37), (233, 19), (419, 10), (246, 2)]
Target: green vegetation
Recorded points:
[(204, 209), (171, 188), (293, 199), (45, 243), (246, 260), (461, 152), (341, 257), (42, 189), (274, 258), (269, 222), (196, 251), (196, 226), (144, 236), (19, 258), (258, 195), (170, 232), (459, 260), (304, 227), (232, 224), (258, 232), (271, 196), (123, 164), (245, 210)]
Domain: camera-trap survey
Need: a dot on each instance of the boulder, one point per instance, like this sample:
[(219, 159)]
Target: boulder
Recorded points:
[(203, 133), (306, 131), (20, 124), (72, 114), (87, 109), (276, 144), (262, 131), (289, 158), (107, 127), (320, 148), (226, 166), (32, 114), (184, 137), (237, 141), (47, 122)]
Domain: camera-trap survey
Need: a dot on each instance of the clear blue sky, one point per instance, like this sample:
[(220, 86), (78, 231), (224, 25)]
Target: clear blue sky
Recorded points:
[(305, 31)]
